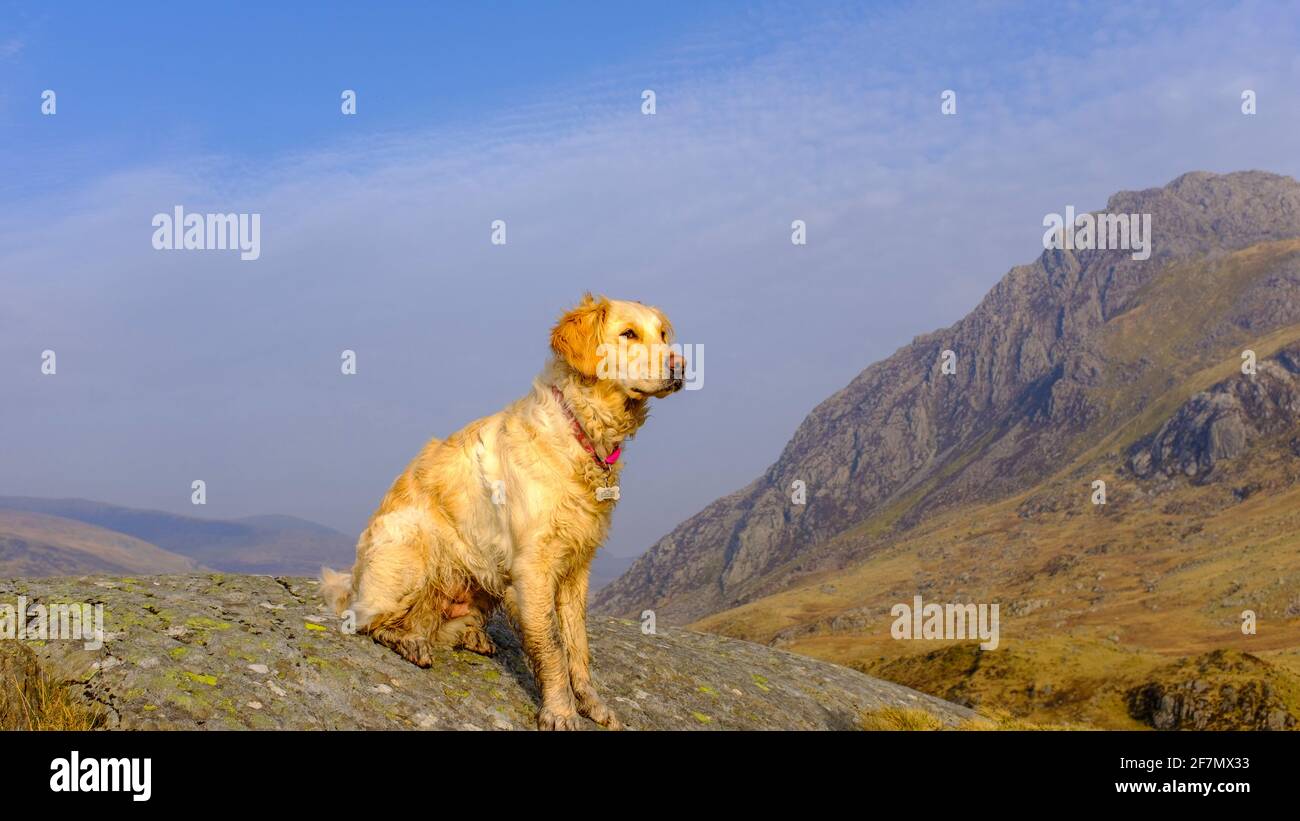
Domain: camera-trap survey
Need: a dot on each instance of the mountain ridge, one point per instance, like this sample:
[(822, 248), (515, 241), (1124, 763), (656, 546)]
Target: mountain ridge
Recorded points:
[(1032, 357), (267, 544), (35, 544)]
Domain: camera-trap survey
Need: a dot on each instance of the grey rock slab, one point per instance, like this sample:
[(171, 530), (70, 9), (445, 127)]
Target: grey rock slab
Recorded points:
[(204, 651)]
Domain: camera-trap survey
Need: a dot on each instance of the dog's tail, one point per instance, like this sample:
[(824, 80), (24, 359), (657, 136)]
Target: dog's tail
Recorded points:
[(336, 589)]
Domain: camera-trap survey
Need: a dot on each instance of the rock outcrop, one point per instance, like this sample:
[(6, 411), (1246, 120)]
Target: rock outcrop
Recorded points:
[(1221, 690), (230, 651), (1222, 422)]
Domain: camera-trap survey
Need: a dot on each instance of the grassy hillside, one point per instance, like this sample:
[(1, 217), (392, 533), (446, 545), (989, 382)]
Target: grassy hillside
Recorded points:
[(1094, 601)]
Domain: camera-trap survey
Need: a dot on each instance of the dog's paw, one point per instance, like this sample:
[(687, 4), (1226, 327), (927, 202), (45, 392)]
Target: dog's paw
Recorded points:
[(418, 651), (602, 715), (594, 707), (476, 641), (549, 719)]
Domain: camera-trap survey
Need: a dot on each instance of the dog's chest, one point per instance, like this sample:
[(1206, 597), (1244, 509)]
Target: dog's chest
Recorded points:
[(601, 484)]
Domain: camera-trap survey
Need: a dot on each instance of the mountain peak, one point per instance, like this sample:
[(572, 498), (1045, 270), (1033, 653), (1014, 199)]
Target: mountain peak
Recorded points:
[(1058, 350)]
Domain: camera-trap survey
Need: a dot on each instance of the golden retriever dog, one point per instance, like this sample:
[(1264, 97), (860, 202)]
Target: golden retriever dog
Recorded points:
[(510, 510)]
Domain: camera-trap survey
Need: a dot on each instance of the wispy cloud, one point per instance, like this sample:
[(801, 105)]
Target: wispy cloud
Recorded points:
[(175, 366)]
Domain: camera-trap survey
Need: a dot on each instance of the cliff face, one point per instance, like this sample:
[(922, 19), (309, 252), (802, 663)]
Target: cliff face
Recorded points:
[(1037, 367), (221, 651), (1222, 422)]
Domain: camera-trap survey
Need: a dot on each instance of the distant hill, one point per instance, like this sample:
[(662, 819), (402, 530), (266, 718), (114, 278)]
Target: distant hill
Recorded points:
[(277, 545), (272, 544), (34, 544), (606, 568)]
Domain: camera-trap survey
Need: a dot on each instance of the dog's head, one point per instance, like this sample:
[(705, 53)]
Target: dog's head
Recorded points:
[(627, 344)]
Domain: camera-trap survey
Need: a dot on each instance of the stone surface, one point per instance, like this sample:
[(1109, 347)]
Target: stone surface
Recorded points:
[(233, 651)]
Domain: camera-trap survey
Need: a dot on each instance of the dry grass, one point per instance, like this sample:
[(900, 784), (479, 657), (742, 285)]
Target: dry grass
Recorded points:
[(899, 718), (1093, 601), (31, 699), (910, 719)]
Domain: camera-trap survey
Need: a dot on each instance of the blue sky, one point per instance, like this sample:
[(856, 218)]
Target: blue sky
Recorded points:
[(154, 82), (375, 227)]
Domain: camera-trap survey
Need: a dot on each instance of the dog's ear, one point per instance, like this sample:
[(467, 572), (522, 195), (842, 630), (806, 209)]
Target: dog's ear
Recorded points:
[(576, 336)]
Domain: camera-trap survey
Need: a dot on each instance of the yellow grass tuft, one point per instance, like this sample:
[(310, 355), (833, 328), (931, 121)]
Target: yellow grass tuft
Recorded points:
[(913, 719), (30, 699), (898, 718)]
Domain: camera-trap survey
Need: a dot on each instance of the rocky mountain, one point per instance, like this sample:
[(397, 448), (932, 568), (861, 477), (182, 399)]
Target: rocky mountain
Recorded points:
[(1077, 351), (236, 652), (258, 544), (1222, 422), (34, 544)]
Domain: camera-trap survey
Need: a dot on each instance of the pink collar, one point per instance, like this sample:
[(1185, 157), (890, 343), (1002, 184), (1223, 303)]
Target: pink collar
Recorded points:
[(582, 437)]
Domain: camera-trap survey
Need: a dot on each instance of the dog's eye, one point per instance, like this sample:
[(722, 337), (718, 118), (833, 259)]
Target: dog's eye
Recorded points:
[(628, 334)]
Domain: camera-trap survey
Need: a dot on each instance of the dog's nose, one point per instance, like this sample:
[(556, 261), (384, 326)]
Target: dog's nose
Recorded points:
[(676, 364)]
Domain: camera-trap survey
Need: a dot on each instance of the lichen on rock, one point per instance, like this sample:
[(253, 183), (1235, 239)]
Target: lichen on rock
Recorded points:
[(234, 652)]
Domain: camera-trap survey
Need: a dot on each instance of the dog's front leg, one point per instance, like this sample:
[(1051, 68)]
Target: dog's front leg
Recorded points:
[(534, 600), (571, 604)]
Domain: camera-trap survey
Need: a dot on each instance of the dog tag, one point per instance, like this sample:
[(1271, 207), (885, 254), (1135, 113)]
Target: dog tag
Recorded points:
[(605, 493)]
